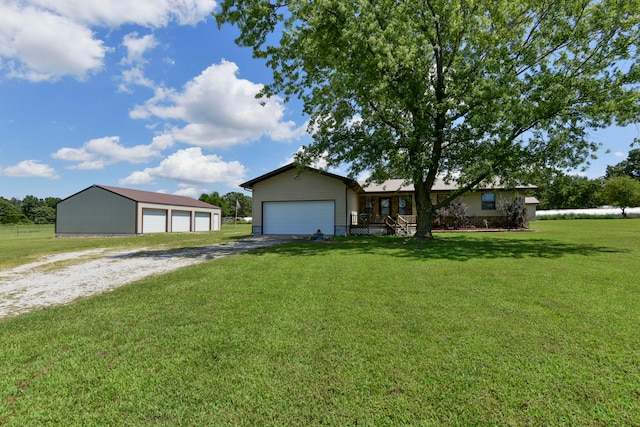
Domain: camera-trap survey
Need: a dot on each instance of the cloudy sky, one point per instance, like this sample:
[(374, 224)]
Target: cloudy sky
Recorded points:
[(145, 94)]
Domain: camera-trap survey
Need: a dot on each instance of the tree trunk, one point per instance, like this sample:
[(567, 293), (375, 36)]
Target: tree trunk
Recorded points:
[(424, 211)]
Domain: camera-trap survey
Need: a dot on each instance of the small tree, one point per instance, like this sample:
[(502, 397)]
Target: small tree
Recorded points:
[(515, 211), (622, 192)]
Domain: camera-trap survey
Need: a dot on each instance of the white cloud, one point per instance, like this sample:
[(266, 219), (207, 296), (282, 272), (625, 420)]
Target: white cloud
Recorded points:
[(136, 48), (620, 154), (149, 13), (220, 109), (192, 166), (188, 192), (99, 152), (46, 39), (138, 178), (40, 45), (30, 169)]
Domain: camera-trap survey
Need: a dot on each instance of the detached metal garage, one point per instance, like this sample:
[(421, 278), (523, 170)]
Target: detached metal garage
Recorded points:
[(105, 210), (293, 200)]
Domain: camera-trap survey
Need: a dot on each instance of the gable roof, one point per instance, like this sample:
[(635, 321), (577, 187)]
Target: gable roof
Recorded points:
[(156, 198), (352, 183)]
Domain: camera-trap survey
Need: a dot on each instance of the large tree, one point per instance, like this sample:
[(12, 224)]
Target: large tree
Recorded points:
[(629, 167), (562, 191), (243, 202), (471, 89)]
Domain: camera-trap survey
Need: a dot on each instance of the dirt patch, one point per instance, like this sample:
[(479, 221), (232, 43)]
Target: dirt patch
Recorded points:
[(59, 279)]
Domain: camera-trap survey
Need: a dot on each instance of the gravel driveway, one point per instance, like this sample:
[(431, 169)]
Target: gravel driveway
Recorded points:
[(59, 279)]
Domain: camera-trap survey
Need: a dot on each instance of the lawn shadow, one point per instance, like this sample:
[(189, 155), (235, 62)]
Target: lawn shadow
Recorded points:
[(457, 248)]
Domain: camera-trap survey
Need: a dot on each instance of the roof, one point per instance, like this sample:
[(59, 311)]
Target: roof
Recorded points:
[(348, 181), (401, 185), (156, 198), (531, 201)]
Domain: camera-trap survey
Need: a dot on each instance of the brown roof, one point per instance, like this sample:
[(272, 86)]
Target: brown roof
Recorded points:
[(156, 198)]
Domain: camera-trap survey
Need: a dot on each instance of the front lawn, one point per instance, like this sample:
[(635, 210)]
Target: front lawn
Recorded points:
[(535, 328)]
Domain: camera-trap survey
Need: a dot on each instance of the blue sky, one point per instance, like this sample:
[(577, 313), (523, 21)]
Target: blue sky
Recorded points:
[(146, 94)]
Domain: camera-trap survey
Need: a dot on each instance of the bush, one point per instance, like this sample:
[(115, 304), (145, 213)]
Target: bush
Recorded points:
[(455, 215), (515, 211)]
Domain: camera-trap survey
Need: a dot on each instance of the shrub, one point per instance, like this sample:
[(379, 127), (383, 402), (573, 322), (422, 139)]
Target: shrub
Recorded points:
[(515, 211), (455, 215)]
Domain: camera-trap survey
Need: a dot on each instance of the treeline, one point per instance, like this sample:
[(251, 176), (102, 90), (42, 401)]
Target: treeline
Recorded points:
[(619, 187), (30, 210), (229, 202)]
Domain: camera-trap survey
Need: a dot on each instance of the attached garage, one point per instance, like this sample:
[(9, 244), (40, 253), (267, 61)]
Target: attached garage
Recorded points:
[(304, 217), (301, 200), (113, 211)]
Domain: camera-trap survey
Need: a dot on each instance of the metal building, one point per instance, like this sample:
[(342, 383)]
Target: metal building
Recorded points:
[(113, 211)]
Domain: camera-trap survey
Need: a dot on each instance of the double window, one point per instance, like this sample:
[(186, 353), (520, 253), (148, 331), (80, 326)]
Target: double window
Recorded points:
[(488, 201)]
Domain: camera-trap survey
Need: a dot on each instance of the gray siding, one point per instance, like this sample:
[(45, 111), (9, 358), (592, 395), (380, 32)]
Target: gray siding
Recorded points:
[(96, 211)]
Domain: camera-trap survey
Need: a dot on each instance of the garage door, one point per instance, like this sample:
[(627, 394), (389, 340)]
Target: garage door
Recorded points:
[(154, 221), (180, 221), (203, 219), (298, 217)]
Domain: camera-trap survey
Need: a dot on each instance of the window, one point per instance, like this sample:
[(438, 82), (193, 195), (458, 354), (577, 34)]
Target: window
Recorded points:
[(402, 206), (488, 201), (368, 205), (385, 206)]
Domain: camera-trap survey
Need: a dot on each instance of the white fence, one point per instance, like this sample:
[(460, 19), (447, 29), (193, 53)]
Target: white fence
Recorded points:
[(596, 211)]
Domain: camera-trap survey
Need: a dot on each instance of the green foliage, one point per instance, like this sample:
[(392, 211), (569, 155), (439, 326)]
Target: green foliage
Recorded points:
[(10, 214), (629, 167), (472, 89), (43, 215), (570, 192), (482, 329), (622, 192), (216, 200), (30, 209), (228, 203), (243, 200)]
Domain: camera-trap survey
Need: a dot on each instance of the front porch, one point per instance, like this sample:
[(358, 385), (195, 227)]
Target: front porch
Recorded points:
[(377, 225)]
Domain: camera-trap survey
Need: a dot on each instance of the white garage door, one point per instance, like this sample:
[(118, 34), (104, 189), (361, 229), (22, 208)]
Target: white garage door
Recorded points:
[(298, 217), (180, 221), (203, 219), (154, 221)]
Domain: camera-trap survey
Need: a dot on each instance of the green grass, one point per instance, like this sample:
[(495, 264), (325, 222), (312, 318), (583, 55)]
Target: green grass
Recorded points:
[(474, 329), (26, 243)]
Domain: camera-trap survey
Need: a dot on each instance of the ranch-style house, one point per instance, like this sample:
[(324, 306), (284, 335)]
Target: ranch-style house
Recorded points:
[(293, 200)]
